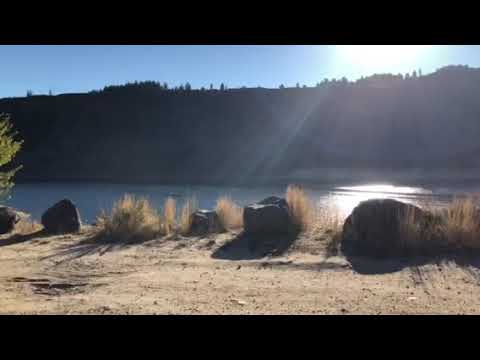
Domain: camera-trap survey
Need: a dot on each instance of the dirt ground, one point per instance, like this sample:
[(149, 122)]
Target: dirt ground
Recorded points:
[(220, 274)]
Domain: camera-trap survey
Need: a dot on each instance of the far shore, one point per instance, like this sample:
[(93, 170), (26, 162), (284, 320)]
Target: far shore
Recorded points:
[(328, 177)]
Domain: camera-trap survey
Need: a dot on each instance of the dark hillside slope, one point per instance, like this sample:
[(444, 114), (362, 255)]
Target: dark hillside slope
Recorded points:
[(144, 132)]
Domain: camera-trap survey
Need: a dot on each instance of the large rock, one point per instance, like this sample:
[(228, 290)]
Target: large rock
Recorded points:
[(62, 218), (8, 218), (204, 222), (384, 228), (267, 216)]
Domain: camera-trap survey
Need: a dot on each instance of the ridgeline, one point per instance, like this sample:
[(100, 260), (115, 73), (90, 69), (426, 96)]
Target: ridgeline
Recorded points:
[(146, 132)]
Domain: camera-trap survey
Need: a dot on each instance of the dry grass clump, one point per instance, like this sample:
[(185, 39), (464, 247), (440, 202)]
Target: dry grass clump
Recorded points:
[(328, 223), (328, 218), (458, 224), (131, 219), (169, 215), (229, 213), (417, 232), (189, 207), (318, 221), (27, 226), (450, 227), (301, 208), (134, 219), (462, 223)]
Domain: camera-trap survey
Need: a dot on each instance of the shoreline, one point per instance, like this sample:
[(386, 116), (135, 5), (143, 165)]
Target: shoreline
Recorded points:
[(147, 268), (341, 176)]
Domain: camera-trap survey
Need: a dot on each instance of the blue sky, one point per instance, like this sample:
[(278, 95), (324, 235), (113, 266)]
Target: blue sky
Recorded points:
[(81, 68)]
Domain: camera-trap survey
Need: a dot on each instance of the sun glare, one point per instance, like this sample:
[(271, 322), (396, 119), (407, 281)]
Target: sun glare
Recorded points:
[(381, 57)]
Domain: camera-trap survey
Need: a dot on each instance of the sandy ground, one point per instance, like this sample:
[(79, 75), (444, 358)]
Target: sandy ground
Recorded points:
[(62, 275)]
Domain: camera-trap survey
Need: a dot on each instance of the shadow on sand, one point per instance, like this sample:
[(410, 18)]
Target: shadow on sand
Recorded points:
[(247, 246), (94, 244), (85, 247), (19, 238), (372, 266)]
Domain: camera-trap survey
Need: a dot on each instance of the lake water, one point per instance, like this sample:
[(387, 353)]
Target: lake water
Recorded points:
[(91, 198)]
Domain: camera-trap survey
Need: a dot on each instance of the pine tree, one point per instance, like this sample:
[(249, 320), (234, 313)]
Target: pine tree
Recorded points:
[(8, 148)]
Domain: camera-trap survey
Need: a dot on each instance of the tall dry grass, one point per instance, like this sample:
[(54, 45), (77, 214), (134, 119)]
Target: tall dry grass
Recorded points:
[(131, 219), (27, 226), (328, 218), (457, 224), (328, 224), (301, 208), (189, 207), (169, 215), (229, 213), (462, 223), (452, 226), (415, 234), (135, 219)]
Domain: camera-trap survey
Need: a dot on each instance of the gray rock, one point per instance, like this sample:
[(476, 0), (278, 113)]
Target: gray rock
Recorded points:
[(205, 222), (270, 215), (376, 228), (62, 218), (8, 218)]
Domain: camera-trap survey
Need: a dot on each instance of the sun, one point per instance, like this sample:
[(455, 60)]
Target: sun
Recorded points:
[(381, 57)]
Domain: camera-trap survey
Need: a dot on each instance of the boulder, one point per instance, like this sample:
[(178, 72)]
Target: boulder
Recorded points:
[(8, 218), (62, 218), (204, 222), (384, 228), (270, 215)]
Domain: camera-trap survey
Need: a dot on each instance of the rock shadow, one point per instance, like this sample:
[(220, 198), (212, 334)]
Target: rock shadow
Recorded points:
[(89, 246), (247, 246), (376, 266), (21, 238)]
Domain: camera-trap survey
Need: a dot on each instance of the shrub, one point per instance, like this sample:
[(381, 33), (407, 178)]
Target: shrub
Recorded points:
[(229, 213), (169, 215), (300, 207), (131, 220), (328, 221), (8, 148), (462, 223), (189, 207), (327, 218), (455, 226)]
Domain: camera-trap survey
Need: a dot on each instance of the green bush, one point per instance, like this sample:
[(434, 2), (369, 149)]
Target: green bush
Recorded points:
[(8, 148)]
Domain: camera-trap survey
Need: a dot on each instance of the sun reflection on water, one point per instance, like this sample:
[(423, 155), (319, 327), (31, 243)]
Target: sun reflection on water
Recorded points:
[(346, 198)]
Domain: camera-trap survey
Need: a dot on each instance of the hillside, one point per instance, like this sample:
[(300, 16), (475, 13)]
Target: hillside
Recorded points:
[(146, 132)]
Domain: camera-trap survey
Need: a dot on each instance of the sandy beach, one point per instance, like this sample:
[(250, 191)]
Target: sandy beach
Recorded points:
[(67, 275)]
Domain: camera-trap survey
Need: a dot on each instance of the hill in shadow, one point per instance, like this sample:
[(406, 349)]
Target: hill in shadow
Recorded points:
[(147, 132)]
